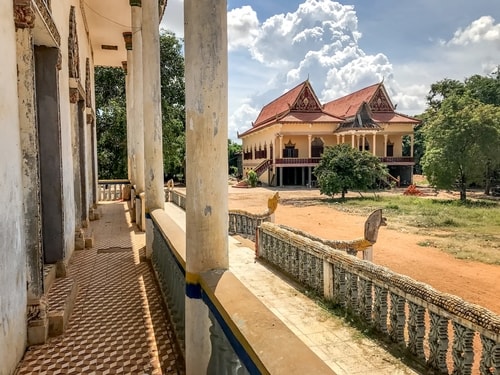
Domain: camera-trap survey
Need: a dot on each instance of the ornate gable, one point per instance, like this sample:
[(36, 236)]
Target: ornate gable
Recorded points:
[(306, 101), (380, 102)]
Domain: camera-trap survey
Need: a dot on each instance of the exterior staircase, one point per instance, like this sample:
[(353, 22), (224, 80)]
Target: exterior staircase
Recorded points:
[(262, 167)]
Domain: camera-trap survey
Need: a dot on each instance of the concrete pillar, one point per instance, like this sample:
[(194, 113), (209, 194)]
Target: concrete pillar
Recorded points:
[(412, 143), (374, 148), (205, 25), (353, 145), (363, 140), (309, 146), (129, 92), (30, 166), (153, 141), (385, 145), (280, 152), (338, 139), (343, 138), (138, 106)]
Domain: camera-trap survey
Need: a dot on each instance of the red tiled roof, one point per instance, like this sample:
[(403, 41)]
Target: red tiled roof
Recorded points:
[(394, 117), (279, 105), (348, 105), (309, 117)]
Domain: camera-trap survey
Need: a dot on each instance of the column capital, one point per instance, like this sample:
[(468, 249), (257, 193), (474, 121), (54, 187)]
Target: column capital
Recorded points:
[(135, 3), (24, 16), (127, 37)]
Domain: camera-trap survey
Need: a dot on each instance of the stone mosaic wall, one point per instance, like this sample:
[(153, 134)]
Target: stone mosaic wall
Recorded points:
[(410, 313)]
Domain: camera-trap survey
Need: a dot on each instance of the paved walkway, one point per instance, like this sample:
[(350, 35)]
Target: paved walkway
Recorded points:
[(342, 347), (118, 325)]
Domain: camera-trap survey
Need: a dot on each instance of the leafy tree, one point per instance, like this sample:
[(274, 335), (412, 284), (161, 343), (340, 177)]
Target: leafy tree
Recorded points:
[(173, 103), (462, 137), (111, 122), (344, 168), (233, 149), (111, 112)]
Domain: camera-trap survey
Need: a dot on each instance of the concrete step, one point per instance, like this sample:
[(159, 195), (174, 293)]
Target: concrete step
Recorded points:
[(49, 276), (89, 238), (61, 300)]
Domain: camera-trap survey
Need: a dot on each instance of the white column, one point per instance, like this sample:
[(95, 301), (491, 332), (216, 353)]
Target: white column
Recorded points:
[(338, 139), (374, 148), (385, 145), (412, 143), (280, 152), (363, 142), (205, 30), (343, 138), (138, 96), (30, 153), (352, 140), (129, 92), (309, 146), (153, 142)]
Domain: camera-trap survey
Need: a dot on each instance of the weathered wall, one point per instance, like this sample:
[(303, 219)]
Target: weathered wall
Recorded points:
[(12, 257)]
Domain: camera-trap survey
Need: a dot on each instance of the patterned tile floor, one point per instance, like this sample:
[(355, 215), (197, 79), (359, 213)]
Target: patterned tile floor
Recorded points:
[(119, 324)]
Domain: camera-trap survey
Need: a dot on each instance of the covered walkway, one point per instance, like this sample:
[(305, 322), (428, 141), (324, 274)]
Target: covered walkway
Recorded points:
[(119, 324)]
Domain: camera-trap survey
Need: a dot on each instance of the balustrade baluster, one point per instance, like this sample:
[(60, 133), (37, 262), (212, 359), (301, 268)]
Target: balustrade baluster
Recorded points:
[(416, 330), (380, 309), (397, 318), (438, 342), (490, 358), (365, 299), (352, 291), (462, 350), (339, 284)]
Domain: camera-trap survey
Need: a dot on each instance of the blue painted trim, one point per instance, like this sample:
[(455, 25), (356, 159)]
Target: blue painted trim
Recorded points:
[(233, 340), (193, 291)]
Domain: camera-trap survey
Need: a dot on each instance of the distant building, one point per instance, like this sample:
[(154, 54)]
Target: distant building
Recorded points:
[(288, 137)]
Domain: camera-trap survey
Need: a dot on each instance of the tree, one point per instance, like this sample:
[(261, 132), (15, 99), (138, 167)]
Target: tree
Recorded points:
[(233, 150), (462, 138), (344, 168), (111, 122), (172, 103), (111, 112)]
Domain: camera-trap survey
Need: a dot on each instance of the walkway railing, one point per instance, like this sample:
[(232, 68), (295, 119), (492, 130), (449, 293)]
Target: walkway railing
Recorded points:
[(111, 190), (238, 344), (176, 197), (245, 224), (241, 222), (440, 330)]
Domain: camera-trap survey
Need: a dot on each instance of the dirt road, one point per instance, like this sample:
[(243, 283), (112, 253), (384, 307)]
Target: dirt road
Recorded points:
[(473, 281)]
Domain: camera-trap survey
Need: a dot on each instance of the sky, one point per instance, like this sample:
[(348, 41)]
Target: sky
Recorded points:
[(344, 46)]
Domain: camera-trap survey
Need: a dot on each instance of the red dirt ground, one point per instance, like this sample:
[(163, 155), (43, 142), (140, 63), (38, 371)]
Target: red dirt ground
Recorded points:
[(475, 282)]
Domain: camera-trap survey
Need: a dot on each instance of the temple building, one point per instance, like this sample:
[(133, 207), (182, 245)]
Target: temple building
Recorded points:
[(288, 137)]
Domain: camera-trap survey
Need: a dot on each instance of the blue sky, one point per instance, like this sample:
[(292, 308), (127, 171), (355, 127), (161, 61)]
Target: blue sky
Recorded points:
[(344, 46)]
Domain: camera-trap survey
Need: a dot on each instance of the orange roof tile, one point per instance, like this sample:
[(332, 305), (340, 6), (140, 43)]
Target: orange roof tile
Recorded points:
[(279, 106), (348, 105), (394, 117)]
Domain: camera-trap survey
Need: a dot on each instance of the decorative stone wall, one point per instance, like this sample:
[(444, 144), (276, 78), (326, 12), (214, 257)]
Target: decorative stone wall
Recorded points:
[(394, 304)]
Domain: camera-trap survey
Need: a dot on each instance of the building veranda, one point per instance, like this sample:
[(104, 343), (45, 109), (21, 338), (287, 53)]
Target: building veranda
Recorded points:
[(288, 137)]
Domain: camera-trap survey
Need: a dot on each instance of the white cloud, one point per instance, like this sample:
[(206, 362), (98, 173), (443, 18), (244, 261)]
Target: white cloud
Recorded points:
[(318, 41), (242, 26), (173, 18), (482, 29)]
